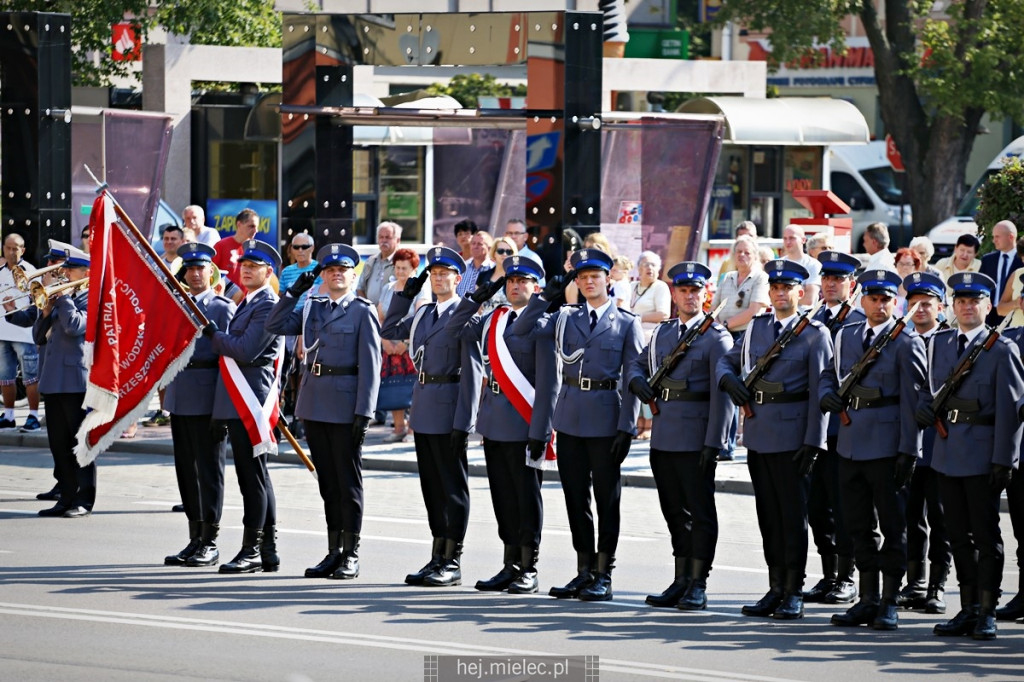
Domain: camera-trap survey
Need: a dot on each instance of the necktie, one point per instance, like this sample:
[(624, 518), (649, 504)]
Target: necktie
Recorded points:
[(241, 305), (778, 329), (194, 299), (593, 319), (827, 317), (334, 306), (433, 314), (1004, 268), (868, 338), (512, 317), (961, 344)]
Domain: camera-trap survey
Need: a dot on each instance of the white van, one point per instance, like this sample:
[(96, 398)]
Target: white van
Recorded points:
[(945, 234), (861, 176)]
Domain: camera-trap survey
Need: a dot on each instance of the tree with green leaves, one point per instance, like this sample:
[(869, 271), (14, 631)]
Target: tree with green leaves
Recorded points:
[(238, 23), (937, 75)]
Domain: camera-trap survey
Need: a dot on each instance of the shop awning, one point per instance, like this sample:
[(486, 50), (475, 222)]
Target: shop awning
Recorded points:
[(801, 121), (408, 135)]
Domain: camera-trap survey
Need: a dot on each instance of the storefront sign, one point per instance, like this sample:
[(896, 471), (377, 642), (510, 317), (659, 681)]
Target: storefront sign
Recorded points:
[(854, 68)]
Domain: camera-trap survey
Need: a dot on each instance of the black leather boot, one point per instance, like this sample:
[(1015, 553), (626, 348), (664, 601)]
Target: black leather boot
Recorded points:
[(268, 552), (985, 627), (914, 595), (330, 563), (508, 573), (449, 572), (674, 592), (830, 569), (181, 557), (865, 610), (887, 616), (207, 554), (248, 559), (792, 606), (348, 569), (767, 604), (600, 588), (845, 590), (526, 582), (963, 622), (1014, 608), (933, 601), (571, 590), (696, 596), (436, 552)]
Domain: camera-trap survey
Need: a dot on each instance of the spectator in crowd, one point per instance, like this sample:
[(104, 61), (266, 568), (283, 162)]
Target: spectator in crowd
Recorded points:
[(1012, 301), (907, 263), (745, 229), (926, 250), (302, 261), (195, 222), (651, 301), (621, 290), (793, 241), (876, 243), (230, 249), (502, 248), (816, 243), (516, 230), (379, 268), (464, 231), (479, 261), (596, 240), (964, 259), (173, 237), (86, 240)]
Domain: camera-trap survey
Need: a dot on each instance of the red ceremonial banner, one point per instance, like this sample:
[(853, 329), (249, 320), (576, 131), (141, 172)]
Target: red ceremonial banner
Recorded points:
[(139, 334)]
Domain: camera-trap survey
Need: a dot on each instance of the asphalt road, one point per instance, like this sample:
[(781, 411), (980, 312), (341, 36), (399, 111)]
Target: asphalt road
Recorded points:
[(89, 599)]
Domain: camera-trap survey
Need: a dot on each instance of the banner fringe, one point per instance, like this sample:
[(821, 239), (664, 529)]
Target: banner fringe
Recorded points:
[(85, 454)]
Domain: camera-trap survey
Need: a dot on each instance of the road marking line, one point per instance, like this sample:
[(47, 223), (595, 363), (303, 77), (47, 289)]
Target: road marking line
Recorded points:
[(377, 641), (19, 511)]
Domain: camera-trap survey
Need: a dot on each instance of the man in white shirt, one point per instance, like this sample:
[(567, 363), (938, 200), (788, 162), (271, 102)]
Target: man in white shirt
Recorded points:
[(793, 240), (876, 243), (380, 267), (16, 344), (195, 222)]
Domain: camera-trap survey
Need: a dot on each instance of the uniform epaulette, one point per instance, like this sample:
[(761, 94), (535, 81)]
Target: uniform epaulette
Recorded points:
[(719, 327), (363, 299), (627, 312), (765, 313), (225, 299), (319, 299), (571, 306), (942, 332)]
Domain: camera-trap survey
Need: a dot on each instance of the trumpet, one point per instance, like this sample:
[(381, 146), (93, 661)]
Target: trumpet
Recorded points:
[(41, 295), (23, 281)]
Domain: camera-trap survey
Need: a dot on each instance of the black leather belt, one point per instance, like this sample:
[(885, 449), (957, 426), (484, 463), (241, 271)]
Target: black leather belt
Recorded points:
[(425, 378), (688, 396), (762, 398), (588, 384), (858, 403), (257, 363), (319, 369), (202, 364), (965, 417)]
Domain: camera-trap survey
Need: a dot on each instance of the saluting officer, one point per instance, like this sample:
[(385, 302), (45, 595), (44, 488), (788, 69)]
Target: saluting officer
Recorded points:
[(238, 399), (684, 455), (199, 448), (824, 505), (515, 417), (980, 452), (879, 446), (444, 406), (784, 436), (62, 382), (595, 418), (341, 343), (926, 524)]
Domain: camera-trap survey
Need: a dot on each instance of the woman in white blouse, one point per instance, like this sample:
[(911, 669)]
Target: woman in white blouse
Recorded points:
[(651, 300), (744, 290)]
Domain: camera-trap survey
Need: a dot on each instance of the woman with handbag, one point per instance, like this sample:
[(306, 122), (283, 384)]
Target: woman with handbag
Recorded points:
[(397, 370)]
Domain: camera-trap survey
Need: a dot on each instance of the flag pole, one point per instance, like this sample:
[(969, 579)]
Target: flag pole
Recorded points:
[(177, 286)]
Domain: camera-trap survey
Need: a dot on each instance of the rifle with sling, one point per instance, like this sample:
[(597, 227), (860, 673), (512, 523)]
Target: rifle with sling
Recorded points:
[(860, 369), (952, 383), (764, 363), (669, 362)]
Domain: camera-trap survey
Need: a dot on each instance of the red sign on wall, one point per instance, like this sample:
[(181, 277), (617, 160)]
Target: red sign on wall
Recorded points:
[(127, 46)]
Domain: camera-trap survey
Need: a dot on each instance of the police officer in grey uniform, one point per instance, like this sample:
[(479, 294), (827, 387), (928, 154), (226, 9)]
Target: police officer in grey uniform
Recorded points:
[(200, 448), (62, 382), (980, 452), (256, 351), (341, 338), (508, 434), (926, 523), (444, 407), (785, 435), (683, 458), (595, 416), (878, 448), (824, 506)]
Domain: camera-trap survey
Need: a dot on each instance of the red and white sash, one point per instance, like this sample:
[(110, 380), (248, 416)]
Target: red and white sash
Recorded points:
[(259, 418), (516, 387)]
